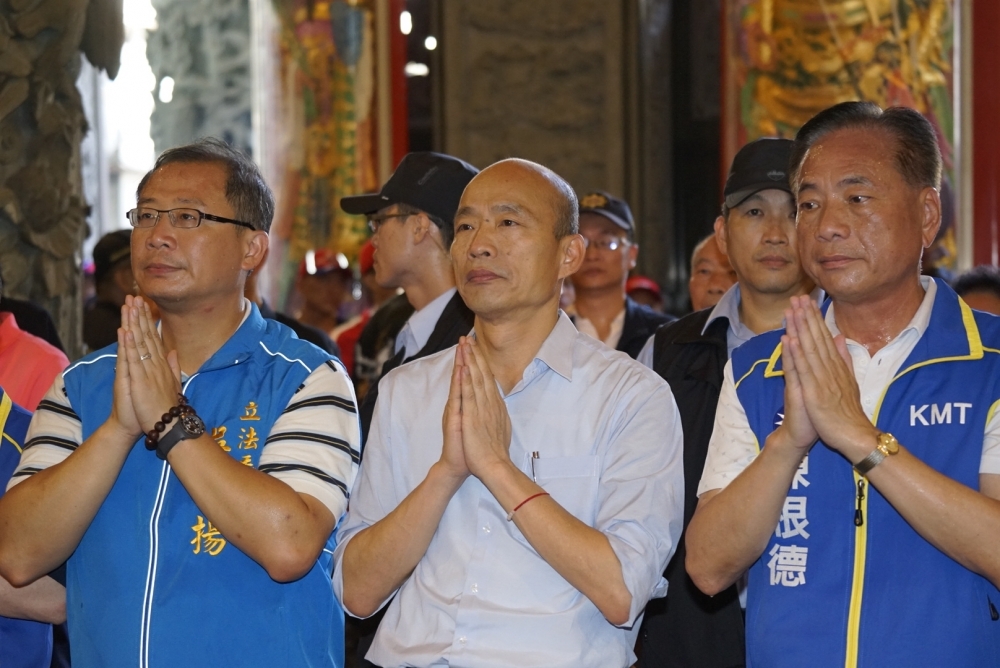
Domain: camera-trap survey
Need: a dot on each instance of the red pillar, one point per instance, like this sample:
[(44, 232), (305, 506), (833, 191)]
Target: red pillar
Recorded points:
[(400, 107), (986, 131)]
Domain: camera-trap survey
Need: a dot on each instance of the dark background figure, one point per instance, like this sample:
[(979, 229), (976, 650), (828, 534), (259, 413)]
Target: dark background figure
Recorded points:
[(313, 335), (324, 282), (644, 290), (603, 309), (711, 274), (980, 288), (32, 319), (113, 280)]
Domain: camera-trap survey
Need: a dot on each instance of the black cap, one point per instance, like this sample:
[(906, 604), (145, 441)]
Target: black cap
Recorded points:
[(431, 182), (614, 209), (762, 164), (110, 250)]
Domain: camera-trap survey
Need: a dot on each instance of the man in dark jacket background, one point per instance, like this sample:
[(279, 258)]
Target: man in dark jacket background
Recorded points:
[(603, 310), (757, 231)]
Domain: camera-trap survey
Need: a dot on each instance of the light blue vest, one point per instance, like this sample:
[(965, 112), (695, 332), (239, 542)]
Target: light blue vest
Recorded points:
[(844, 580), (153, 583)]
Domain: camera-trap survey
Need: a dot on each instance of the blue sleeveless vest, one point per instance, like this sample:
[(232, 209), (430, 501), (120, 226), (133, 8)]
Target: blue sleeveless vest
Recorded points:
[(23, 644), (844, 580), (153, 583)]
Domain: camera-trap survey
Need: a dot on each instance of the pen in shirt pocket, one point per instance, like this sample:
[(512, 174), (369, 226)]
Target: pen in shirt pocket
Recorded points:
[(534, 456)]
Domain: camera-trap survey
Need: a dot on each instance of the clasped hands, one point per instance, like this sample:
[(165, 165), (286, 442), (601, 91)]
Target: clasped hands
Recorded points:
[(822, 399), (476, 424), (147, 377)]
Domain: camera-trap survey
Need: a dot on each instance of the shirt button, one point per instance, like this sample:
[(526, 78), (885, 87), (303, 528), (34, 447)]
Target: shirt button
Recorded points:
[(462, 640), (475, 589), (486, 528)]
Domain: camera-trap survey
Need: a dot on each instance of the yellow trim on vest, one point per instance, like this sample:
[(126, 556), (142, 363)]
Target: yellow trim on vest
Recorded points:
[(5, 405), (857, 581), (744, 377), (861, 533), (769, 372)]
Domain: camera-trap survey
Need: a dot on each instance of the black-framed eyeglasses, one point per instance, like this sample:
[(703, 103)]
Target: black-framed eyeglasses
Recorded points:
[(144, 217), (375, 222), (605, 243)]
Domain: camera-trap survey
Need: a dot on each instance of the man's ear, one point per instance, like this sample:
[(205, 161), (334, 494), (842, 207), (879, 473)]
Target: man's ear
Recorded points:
[(930, 200), (255, 245), (573, 251), (720, 235), (633, 255), (421, 227)]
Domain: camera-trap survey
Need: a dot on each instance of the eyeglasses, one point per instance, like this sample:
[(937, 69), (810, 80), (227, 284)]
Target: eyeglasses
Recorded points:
[(605, 243), (375, 222), (144, 217)]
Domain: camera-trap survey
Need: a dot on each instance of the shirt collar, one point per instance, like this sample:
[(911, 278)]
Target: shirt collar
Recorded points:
[(423, 322), (727, 307), (557, 349), (921, 319)]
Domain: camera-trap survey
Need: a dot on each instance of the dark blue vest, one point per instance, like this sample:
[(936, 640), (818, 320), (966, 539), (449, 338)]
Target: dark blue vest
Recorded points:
[(843, 583), (153, 583)]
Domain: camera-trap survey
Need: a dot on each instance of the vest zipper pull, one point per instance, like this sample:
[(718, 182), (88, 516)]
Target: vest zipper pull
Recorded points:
[(859, 517)]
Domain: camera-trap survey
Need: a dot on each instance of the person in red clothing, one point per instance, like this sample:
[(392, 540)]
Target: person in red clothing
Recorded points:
[(347, 334), (28, 364)]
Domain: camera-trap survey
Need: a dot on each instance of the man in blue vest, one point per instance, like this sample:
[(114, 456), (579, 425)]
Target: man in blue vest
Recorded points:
[(855, 463), (212, 544)]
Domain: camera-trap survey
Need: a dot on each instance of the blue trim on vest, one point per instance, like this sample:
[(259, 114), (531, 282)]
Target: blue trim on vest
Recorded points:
[(916, 606), (150, 584)]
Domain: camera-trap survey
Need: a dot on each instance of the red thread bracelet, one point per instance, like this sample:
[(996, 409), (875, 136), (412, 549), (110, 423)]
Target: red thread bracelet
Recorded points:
[(510, 515)]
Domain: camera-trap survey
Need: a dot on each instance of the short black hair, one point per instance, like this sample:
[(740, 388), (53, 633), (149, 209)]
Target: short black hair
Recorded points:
[(246, 190), (918, 157), (984, 278)]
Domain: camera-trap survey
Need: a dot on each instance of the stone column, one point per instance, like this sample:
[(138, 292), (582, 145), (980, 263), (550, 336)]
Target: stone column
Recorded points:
[(42, 208)]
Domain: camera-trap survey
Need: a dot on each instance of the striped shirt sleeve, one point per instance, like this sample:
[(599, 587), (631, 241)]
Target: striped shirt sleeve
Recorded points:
[(314, 444), (54, 433)]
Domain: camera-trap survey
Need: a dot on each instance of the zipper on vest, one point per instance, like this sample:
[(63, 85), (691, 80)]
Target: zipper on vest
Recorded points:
[(859, 514), (994, 615)]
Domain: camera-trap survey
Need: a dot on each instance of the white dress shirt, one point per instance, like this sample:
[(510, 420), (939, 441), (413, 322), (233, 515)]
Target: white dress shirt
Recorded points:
[(614, 334), (733, 446), (609, 441), (421, 324)]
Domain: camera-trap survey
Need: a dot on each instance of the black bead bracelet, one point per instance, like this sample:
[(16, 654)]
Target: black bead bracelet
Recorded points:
[(181, 408)]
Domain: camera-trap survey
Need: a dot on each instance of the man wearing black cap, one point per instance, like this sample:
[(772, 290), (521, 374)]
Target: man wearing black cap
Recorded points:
[(411, 222), (603, 310), (757, 231), (114, 280)]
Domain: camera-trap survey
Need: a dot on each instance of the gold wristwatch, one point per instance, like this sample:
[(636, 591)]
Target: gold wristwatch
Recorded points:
[(886, 445)]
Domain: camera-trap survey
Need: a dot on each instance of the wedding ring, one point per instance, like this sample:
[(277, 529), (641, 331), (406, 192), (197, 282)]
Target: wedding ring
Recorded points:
[(143, 358)]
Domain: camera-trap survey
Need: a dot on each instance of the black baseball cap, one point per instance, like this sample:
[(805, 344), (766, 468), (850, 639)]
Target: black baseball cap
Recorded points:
[(614, 209), (763, 164), (110, 250), (431, 182)]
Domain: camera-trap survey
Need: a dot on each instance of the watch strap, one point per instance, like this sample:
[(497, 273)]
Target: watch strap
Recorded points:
[(175, 435), (869, 462)]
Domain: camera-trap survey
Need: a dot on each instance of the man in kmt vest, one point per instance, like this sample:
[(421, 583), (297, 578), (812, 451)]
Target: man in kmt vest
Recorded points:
[(214, 547), (872, 535)]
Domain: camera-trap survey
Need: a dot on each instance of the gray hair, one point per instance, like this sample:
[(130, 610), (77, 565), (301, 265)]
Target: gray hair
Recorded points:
[(917, 155), (246, 190)]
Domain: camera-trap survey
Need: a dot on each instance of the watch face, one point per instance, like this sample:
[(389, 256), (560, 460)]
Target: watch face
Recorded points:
[(889, 443), (193, 425)]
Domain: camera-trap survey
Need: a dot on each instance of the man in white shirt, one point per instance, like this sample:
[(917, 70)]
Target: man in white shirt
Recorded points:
[(854, 464), (411, 223), (530, 524)]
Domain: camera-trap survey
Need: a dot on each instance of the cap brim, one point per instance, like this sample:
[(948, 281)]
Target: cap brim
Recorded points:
[(610, 216), (365, 204), (741, 195)]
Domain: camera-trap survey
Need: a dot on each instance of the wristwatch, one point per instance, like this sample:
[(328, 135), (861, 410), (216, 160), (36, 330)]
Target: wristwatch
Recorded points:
[(886, 445), (188, 426)]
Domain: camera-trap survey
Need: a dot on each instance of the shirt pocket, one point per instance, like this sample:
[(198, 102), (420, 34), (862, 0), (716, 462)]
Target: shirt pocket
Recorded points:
[(572, 482)]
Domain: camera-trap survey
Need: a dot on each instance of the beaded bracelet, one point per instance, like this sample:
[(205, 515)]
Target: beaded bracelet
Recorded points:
[(181, 408)]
